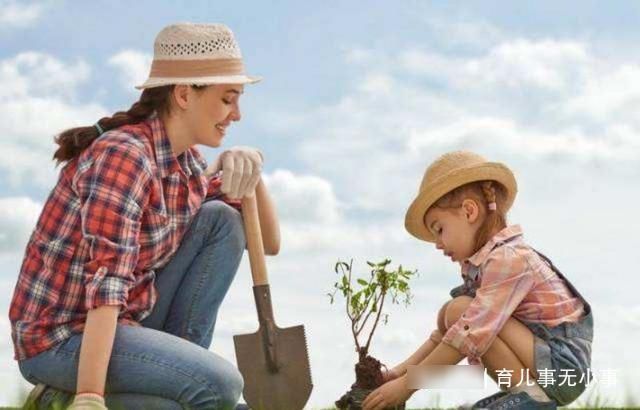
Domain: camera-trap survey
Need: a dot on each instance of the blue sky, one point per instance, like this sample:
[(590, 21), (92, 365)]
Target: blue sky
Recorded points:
[(357, 99)]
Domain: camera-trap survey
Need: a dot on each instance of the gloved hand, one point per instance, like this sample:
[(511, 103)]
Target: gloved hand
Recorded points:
[(87, 401), (241, 169)]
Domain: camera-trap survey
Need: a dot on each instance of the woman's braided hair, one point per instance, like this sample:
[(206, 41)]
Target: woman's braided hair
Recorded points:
[(75, 140), (484, 193)]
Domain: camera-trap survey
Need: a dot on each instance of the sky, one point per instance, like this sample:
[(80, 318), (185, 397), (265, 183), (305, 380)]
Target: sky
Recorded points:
[(357, 99)]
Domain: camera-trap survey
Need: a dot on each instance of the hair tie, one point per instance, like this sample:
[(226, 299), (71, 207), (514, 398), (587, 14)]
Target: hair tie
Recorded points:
[(493, 206), (99, 128)]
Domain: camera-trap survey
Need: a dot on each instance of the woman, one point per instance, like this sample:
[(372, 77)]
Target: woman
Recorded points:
[(139, 241)]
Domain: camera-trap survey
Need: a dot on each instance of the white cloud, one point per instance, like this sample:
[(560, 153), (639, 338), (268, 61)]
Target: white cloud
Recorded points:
[(463, 31), (515, 100), (547, 65), (19, 14), (502, 134), (18, 217), (33, 73), (612, 93), (303, 197), (312, 219), (37, 101), (133, 65)]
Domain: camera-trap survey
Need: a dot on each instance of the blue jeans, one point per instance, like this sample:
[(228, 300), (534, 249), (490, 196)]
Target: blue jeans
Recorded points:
[(166, 363)]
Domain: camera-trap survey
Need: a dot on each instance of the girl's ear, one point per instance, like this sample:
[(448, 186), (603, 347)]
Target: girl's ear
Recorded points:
[(471, 210)]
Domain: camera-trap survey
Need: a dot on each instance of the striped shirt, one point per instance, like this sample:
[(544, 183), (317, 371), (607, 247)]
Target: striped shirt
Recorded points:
[(117, 213), (509, 279)]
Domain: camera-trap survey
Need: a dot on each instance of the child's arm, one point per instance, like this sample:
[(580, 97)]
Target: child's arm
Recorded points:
[(417, 357), (424, 350), (442, 354)]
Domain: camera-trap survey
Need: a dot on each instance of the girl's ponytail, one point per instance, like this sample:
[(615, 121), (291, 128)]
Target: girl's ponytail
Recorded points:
[(75, 140)]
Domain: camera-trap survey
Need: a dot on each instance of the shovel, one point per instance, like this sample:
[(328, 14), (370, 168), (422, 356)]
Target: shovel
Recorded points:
[(273, 361)]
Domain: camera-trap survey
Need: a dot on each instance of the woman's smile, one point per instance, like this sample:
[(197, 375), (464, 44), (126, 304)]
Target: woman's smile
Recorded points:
[(222, 129)]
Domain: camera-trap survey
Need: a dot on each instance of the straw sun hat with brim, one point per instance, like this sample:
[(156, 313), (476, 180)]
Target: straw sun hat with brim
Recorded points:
[(447, 173), (199, 54)]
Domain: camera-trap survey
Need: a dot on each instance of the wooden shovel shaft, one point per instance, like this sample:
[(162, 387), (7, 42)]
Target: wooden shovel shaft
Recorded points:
[(253, 235)]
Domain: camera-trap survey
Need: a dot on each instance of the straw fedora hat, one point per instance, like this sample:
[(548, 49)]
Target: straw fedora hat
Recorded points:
[(190, 53), (447, 173)]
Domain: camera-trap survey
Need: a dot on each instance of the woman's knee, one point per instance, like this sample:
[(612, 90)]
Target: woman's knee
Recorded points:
[(215, 384), (228, 385), (226, 223)]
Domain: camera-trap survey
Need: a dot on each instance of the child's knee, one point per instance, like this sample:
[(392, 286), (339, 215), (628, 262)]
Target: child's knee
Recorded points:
[(436, 336), (441, 324), (455, 308)]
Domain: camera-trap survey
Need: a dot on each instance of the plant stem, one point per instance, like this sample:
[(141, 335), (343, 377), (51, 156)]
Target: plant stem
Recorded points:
[(375, 324)]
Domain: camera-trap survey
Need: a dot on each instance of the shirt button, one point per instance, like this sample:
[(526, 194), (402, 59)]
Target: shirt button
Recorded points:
[(466, 327)]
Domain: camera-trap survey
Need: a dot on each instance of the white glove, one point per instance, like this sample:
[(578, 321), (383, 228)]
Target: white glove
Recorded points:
[(87, 401), (241, 169)]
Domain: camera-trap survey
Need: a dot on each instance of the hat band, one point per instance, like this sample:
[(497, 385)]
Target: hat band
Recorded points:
[(196, 68)]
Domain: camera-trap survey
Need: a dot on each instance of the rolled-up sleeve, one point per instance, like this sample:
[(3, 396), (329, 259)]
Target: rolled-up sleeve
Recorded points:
[(506, 280), (112, 186)]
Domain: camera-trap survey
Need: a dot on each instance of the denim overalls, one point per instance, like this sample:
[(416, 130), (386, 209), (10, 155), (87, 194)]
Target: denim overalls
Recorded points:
[(566, 346)]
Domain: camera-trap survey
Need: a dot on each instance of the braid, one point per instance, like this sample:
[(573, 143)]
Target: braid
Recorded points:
[(495, 218), (489, 192)]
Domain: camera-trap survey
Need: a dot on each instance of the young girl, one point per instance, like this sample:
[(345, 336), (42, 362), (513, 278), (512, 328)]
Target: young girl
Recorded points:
[(139, 241), (515, 310)]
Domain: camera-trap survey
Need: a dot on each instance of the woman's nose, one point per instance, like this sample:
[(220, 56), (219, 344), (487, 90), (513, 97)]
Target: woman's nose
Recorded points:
[(235, 114)]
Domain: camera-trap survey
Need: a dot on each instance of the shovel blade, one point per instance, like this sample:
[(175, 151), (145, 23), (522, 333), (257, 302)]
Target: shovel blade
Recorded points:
[(289, 387)]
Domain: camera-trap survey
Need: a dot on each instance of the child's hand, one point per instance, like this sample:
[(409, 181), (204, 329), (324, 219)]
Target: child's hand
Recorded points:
[(389, 394), (390, 374)]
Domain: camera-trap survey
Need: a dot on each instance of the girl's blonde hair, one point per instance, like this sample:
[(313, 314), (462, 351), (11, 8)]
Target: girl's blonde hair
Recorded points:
[(483, 193)]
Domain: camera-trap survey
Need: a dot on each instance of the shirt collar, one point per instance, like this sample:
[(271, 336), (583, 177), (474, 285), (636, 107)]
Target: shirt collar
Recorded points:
[(508, 233), (190, 162)]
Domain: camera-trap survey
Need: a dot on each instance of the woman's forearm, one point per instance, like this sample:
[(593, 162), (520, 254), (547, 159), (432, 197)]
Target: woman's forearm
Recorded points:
[(268, 220), (95, 351)]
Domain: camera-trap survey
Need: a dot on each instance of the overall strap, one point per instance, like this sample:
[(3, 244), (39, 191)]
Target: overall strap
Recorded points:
[(567, 281)]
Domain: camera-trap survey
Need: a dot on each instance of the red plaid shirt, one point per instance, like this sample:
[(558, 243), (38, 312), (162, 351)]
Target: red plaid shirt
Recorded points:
[(117, 213), (510, 280)]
